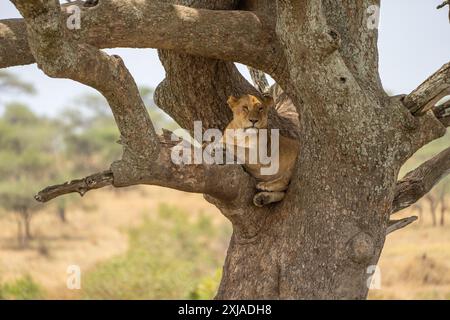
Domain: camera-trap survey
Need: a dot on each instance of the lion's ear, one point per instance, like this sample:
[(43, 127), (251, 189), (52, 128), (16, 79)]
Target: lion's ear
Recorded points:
[(232, 102), (268, 101)]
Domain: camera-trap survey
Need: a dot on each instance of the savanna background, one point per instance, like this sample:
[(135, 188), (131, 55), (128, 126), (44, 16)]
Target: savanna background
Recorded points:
[(154, 243)]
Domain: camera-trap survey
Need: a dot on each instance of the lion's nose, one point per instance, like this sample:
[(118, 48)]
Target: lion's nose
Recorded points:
[(253, 121)]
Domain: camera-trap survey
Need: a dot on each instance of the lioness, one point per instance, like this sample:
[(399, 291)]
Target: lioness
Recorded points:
[(251, 113)]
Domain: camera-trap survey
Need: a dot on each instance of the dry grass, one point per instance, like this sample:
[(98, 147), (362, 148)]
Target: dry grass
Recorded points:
[(95, 232), (415, 263)]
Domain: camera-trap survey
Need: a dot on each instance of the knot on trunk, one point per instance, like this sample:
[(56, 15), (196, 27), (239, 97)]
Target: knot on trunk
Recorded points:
[(361, 248)]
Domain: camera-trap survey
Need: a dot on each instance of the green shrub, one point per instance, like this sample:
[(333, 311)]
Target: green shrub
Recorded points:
[(22, 289), (168, 256), (207, 288)]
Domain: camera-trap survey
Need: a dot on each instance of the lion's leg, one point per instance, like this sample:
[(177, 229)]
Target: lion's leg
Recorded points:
[(277, 185), (264, 198)]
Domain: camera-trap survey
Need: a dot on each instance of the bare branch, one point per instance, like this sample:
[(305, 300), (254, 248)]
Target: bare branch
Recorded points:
[(81, 186), (420, 181), (445, 3), (227, 35), (33, 8), (225, 182), (395, 225), (14, 49), (429, 92)]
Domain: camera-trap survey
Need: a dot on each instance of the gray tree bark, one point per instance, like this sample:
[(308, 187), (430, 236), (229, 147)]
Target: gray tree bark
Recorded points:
[(319, 241)]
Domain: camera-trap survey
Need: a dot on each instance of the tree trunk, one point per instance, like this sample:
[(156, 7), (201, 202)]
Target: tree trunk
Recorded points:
[(20, 236), (443, 211), (26, 218), (320, 241), (443, 205), (62, 214), (442, 221), (433, 208)]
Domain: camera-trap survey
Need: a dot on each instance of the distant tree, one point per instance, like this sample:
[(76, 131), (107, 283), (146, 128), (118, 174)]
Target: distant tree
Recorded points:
[(443, 203), (9, 81), (17, 197), (61, 209), (28, 155), (433, 203), (419, 208)]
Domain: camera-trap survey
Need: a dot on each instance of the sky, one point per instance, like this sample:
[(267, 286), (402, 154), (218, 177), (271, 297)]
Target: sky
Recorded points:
[(413, 44)]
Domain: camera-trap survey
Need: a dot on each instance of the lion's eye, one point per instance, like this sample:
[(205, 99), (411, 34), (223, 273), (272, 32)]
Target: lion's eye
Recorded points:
[(245, 108), (261, 108)]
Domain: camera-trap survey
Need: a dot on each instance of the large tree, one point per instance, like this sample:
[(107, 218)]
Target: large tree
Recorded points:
[(321, 239)]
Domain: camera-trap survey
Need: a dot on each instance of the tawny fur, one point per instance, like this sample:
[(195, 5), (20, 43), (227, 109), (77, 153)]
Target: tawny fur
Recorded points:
[(250, 112)]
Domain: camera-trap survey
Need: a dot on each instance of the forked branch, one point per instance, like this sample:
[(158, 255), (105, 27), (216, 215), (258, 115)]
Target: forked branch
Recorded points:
[(420, 181)]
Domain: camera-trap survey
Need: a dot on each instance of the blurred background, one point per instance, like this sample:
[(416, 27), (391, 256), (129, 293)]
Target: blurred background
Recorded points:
[(153, 243)]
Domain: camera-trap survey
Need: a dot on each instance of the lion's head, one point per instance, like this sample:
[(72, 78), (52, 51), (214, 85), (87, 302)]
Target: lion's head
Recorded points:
[(250, 112)]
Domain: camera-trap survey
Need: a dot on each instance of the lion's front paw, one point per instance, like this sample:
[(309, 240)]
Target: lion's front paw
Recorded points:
[(261, 199), (264, 198)]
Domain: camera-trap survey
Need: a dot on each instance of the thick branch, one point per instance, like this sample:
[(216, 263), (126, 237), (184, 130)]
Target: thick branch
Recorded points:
[(14, 49), (306, 20), (225, 182), (227, 35), (32, 8), (429, 92), (356, 23), (420, 181)]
